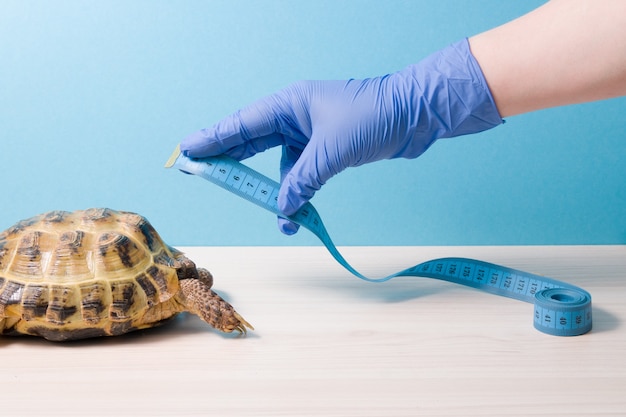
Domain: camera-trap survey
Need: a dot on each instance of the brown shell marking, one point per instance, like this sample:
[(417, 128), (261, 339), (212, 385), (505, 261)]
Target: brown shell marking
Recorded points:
[(97, 268)]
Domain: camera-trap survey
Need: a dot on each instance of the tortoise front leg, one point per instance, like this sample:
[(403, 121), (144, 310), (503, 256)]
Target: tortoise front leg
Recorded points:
[(198, 298)]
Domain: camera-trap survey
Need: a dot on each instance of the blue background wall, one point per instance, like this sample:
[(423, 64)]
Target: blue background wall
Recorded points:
[(94, 96)]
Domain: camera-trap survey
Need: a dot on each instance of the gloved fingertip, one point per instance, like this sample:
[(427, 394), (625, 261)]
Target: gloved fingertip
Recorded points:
[(198, 144), (287, 227)]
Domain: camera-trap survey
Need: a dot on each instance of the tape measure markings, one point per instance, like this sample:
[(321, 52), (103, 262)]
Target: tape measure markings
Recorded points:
[(560, 308)]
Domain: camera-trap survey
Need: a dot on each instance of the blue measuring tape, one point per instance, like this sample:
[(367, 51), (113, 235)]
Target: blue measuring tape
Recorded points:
[(561, 309)]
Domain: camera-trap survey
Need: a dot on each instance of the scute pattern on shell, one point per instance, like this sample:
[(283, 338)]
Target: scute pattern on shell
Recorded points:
[(93, 271)]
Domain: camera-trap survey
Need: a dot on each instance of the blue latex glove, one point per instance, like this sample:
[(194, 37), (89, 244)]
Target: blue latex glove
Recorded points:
[(325, 127)]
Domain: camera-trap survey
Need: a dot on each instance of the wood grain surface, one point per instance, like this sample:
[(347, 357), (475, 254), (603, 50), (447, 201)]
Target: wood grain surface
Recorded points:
[(329, 344)]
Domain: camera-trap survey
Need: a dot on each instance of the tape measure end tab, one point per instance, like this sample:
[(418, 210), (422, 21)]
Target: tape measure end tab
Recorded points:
[(172, 159)]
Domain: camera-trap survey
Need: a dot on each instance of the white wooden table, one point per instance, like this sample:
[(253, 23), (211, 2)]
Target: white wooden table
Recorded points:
[(329, 344)]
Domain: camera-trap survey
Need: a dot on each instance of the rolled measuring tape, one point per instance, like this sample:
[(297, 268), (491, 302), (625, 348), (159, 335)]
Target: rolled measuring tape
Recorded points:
[(561, 309)]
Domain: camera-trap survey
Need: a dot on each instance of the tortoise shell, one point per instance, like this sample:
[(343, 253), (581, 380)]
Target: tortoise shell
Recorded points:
[(70, 275)]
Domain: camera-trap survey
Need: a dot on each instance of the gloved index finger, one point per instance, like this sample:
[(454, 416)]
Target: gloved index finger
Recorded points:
[(261, 120), (201, 144), (218, 139)]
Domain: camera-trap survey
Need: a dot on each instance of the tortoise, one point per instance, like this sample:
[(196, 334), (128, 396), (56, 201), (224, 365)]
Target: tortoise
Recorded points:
[(99, 272)]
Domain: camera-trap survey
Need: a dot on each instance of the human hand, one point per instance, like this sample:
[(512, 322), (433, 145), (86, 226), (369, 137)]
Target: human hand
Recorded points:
[(325, 127)]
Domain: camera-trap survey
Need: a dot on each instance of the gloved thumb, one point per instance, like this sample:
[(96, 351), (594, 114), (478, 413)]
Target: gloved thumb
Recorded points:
[(287, 227), (289, 158), (307, 175), (289, 202)]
